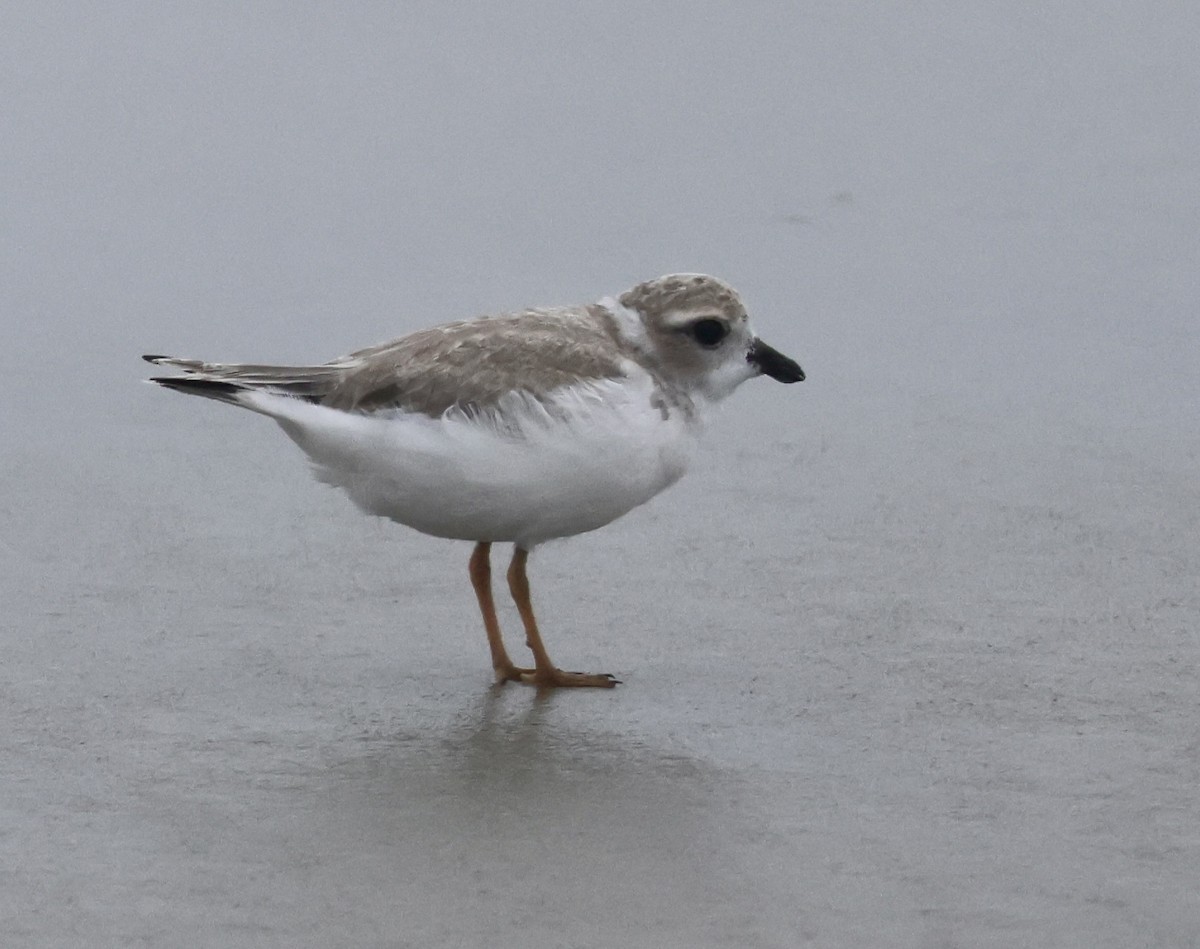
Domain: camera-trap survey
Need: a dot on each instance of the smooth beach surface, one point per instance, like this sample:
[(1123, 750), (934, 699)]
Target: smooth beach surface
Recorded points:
[(909, 659)]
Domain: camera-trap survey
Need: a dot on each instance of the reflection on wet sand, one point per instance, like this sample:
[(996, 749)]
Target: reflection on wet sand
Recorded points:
[(515, 816)]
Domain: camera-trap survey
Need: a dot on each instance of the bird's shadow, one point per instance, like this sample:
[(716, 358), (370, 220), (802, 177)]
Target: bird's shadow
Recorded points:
[(514, 756)]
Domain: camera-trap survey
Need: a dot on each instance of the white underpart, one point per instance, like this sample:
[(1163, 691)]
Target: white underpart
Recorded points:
[(522, 473)]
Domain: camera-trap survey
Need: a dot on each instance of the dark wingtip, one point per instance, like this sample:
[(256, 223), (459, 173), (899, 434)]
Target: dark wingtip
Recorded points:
[(212, 388), (154, 358)]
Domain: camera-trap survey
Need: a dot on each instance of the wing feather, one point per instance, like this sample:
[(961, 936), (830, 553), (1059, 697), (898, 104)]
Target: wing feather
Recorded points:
[(468, 364)]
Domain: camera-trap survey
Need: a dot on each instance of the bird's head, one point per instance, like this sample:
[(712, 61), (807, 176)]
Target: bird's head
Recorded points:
[(700, 332)]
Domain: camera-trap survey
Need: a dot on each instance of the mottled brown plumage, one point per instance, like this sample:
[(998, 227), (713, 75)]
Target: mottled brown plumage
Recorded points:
[(473, 363)]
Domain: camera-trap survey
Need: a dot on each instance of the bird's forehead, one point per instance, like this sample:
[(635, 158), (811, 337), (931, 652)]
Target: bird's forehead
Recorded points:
[(654, 299)]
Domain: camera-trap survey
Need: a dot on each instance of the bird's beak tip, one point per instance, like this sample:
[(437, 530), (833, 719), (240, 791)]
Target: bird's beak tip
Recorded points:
[(771, 362)]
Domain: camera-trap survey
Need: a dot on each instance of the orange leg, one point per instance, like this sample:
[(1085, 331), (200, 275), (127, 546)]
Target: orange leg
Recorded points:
[(545, 673), (481, 580)]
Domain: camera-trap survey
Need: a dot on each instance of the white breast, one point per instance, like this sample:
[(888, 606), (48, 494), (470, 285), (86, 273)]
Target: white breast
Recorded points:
[(526, 472)]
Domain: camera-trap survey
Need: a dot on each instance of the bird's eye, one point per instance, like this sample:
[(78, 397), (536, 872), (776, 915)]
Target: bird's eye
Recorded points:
[(709, 332)]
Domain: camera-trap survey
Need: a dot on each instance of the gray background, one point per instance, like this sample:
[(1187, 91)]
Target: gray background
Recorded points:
[(910, 660)]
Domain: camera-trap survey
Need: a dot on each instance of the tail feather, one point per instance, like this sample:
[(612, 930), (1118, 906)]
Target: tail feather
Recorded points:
[(221, 380)]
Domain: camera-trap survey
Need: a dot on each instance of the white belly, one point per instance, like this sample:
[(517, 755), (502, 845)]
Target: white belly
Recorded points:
[(524, 475)]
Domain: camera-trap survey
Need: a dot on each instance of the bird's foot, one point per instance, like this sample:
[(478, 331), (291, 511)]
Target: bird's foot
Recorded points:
[(507, 672), (556, 678)]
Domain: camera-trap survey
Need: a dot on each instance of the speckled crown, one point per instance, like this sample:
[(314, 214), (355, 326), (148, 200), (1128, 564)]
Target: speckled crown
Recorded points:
[(684, 291)]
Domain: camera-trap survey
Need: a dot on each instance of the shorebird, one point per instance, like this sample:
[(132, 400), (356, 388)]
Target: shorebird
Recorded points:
[(517, 428)]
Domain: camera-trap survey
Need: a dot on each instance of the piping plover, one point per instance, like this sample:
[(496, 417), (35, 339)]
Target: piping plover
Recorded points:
[(515, 428)]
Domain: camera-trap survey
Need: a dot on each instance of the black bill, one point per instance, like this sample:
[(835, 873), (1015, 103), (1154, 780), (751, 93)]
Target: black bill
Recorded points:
[(771, 362)]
